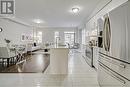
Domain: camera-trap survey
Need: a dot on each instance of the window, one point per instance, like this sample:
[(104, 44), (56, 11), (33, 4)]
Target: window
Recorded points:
[(39, 37), (83, 36), (69, 37), (56, 37)]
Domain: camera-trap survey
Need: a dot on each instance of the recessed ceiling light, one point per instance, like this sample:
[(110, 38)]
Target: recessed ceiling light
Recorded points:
[(75, 10), (38, 21)]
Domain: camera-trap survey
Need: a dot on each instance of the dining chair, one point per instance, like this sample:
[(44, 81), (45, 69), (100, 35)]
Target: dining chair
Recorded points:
[(21, 51), (21, 65), (7, 57)]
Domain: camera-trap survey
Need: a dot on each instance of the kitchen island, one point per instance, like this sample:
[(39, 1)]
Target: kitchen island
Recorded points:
[(59, 60)]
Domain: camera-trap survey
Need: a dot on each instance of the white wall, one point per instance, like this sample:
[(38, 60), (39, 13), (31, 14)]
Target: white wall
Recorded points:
[(48, 33), (13, 31)]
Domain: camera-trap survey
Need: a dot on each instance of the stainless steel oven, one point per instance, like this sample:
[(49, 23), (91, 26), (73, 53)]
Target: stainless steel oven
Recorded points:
[(89, 55)]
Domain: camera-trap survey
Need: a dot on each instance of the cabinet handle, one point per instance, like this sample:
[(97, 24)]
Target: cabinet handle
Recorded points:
[(123, 65)]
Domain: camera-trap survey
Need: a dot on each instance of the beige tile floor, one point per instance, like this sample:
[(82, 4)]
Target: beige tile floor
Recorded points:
[(79, 75)]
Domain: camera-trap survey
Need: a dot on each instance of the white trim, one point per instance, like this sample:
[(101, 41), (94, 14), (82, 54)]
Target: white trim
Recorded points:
[(15, 20)]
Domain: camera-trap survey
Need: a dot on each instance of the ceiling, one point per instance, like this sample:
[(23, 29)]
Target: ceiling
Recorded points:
[(54, 13)]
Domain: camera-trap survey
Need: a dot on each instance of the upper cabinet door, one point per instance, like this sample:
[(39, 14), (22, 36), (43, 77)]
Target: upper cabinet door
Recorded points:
[(118, 24)]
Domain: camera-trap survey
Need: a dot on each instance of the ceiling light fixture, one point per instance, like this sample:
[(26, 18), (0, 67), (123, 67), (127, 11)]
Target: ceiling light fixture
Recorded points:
[(38, 21), (75, 10)]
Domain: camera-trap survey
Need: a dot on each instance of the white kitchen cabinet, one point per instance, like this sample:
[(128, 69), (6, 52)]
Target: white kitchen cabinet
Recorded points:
[(83, 47), (59, 60), (95, 57)]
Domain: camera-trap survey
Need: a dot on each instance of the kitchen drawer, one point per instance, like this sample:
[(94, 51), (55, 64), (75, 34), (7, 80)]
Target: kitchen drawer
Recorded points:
[(118, 66), (104, 60), (108, 78)]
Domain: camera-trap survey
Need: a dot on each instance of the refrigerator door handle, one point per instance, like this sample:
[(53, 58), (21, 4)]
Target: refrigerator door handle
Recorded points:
[(106, 34), (109, 33)]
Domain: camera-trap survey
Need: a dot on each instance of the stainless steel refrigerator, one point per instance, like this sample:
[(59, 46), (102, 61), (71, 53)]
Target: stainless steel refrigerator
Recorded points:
[(114, 57)]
